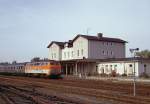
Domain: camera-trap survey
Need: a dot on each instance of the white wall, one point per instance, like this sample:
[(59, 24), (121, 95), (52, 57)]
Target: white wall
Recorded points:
[(101, 50), (90, 49), (143, 69), (54, 52), (131, 69), (79, 45), (67, 53), (120, 66)]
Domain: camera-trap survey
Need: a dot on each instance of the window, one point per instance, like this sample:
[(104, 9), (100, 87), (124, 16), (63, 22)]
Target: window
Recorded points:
[(103, 43), (111, 53), (131, 69), (111, 43), (82, 52), (115, 68), (68, 54), (107, 53), (66, 45), (103, 52), (107, 43), (78, 52), (111, 68), (52, 55), (106, 68), (96, 68), (130, 65), (144, 68), (102, 69), (64, 54), (72, 53)]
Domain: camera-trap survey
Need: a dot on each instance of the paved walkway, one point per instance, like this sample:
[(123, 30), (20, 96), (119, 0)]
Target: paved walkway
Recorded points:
[(110, 78), (118, 79)]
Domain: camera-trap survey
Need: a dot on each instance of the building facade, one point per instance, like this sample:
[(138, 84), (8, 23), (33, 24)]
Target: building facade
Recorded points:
[(77, 55), (90, 55), (87, 47), (124, 66)]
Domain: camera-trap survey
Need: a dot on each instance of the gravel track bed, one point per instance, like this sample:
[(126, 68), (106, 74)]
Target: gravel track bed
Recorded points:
[(102, 92)]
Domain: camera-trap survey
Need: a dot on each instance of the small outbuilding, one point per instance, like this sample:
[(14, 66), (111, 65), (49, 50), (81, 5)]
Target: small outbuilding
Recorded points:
[(125, 66)]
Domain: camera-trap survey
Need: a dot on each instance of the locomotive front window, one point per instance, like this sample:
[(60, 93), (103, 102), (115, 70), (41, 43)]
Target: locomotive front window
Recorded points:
[(52, 63), (46, 63)]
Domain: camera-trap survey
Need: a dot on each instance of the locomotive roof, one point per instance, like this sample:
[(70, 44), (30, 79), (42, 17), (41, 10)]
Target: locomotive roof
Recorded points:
[(43, 61)]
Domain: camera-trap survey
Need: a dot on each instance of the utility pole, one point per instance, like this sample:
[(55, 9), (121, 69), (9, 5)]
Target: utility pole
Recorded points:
[(134, 77)]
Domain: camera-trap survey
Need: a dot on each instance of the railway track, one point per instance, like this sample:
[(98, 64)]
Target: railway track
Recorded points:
[(79, 87), (14, 95), (126, 88), (9, 96)]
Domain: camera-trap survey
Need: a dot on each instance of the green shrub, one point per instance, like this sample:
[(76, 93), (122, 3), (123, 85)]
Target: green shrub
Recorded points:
[(124, 75), (103, 75), (113, 73)]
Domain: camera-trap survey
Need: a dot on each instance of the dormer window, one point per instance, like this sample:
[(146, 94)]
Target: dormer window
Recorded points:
[(66, 45)]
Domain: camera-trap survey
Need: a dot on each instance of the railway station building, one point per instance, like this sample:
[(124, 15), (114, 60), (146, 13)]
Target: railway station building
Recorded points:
[(124, 66), (91, 55)]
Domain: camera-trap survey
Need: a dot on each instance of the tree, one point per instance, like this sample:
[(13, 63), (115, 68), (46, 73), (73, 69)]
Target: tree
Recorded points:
[(143, 54), (35, 59), (4, 63), (45, 58), (14, 62)]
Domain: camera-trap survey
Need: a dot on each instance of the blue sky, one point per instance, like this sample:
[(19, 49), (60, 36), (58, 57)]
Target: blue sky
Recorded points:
[(28, 26)]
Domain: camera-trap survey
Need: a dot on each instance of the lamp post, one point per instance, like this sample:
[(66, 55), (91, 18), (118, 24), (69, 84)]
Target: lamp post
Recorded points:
[(134, 79)]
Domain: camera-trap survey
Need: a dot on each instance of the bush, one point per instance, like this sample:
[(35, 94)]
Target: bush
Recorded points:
[(113, 73), (89, 74), (124, 75), (95, 74), (104, 75), (53, 76)]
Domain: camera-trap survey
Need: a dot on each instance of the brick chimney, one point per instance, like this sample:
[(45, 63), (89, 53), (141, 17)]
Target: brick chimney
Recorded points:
[(99, 35)]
